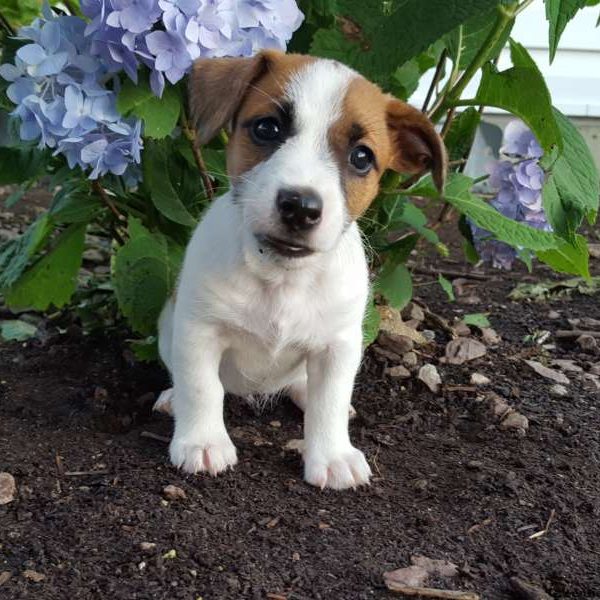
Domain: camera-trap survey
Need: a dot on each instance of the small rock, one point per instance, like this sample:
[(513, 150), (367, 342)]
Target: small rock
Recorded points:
[(490, 336), (595, 369), (566, 365), (462, 329), (410, 360), (8, 488), (429, 375), (547, 373), (4, 577), (413, 324), (275, 424), (462, 350), (142, 565), (574, 323), (413, 576), (594, 250), (558, 390), (587, 342), (147, 547), (295, 446), (590, 323), (479, 379), (591, 381), (554, 314), (295, 556), (94, 256), (428, 335), (516, 421), (384, 354), (33, 575), (498, 405), (414, 312), (469, 300), (474, 465), (528, 591), (170, 555), (172, 492), (441, 568), (400, 344), (398, 372)]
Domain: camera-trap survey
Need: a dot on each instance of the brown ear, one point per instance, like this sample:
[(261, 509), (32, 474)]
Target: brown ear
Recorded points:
[(217, 87), (416, 144)]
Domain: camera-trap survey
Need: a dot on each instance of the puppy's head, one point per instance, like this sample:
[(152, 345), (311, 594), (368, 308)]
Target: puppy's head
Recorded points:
[(309, 142)]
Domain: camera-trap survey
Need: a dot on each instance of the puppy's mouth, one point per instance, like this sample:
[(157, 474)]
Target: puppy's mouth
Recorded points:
[(284, 247)]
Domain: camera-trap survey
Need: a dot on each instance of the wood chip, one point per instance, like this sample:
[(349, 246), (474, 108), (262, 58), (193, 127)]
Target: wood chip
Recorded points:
[(431, 592), (33, 575), (547, 373), (566, 365), (295, 446), (464, 349), (8, 488), (413, 576), (4, 577), (528, 591), (440, 568)]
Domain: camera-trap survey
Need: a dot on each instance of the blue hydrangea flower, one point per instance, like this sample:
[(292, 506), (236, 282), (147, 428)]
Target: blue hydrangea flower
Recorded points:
[(59, 89), (518, 184)]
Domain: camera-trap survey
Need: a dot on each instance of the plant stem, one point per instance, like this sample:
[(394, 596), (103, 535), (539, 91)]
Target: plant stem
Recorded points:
[(6, 25), (436, 78), (190, 135), (97, 187), (506, 15), (522, 7)]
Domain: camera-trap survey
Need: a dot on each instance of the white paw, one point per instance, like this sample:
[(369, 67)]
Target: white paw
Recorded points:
[(340, 470), (203, 454), (164, 404)]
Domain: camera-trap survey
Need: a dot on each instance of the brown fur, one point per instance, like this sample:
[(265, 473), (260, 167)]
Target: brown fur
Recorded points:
[(235, 90)]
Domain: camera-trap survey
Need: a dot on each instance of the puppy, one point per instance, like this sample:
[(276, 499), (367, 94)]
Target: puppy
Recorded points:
[(275, 282)]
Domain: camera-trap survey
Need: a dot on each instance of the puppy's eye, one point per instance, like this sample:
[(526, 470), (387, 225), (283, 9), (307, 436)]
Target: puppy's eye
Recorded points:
[(362, 159), (266, 130)]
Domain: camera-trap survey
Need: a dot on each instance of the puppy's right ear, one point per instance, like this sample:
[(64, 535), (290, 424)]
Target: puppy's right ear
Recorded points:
[(217, 87)]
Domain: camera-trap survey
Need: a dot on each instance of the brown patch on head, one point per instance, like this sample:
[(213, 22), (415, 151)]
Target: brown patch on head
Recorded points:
[(400, 137), (233, 91)]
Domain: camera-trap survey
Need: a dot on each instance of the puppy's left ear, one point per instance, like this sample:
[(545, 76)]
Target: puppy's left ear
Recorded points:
[(416, 144)]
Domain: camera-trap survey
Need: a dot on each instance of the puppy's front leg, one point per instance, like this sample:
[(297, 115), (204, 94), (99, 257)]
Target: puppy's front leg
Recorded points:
[(200, 442), (330, 460)]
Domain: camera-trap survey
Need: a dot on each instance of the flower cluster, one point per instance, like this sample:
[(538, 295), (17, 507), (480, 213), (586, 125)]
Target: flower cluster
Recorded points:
[(168, 35), (62, 99), (517, 182), (63, 81)]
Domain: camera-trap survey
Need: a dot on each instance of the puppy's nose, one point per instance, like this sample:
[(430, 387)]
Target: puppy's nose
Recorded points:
[(300, 209)]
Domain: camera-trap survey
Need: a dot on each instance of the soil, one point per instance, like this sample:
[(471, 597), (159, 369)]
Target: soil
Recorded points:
[(75, 412)]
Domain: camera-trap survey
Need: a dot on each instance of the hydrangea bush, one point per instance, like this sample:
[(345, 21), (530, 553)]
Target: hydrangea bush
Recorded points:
[(93, 104)]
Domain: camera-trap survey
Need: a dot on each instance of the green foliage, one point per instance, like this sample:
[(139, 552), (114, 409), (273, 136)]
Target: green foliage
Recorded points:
[(144, 275), (477, 320), (51, 281), (395, 284), (17, 330), (447, 287), (160, 115)]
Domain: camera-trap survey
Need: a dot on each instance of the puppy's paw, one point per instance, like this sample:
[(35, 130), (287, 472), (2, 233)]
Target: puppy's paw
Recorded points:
[(339, 470), (164, 402), (203, 454)]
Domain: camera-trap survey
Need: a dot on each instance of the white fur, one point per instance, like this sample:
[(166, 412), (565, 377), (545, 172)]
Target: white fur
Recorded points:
[(246, 321)]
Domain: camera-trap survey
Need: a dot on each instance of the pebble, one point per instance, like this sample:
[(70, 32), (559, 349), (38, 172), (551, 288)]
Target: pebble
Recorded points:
[(558, 390), (8, 488), (413, 311), (480, 379), (587, 342), (147, 546), (428, 335), (172, 492), (462, 329), (410, 360), (399, 372), (595, 369), (4, 577), (33, 575), (429, 375), (516, 421), (398, 344), (554, 314)]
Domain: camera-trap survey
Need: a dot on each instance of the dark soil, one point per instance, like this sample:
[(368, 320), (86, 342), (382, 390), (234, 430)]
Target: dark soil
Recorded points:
[(448, 482)]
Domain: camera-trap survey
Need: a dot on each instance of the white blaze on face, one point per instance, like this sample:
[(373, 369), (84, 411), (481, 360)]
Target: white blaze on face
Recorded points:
[(305, 160)]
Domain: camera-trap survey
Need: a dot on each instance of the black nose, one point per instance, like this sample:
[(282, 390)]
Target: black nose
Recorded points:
[(300, 209)]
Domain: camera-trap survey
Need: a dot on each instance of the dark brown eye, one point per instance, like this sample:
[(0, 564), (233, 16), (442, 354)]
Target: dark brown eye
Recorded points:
[(362, 159), (266, 130)]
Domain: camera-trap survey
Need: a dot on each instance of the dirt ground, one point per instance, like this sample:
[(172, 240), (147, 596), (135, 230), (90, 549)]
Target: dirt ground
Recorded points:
[(449, 483)]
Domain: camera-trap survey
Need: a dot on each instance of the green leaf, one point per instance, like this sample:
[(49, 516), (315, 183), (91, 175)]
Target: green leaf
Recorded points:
[(466, 40), (74, 203), (21, 164), (52, 279), (158, 182), (405, 79), (558, 14), (146, 350), (395, 284), (522, 91), (144, 275), (16, 330), (16, 254), (371, 323), (506, 230), (377, 37), (415, 218), (447, 287), (573, 186), (461, 134), (477, 320), (160, 115), (568, 258)]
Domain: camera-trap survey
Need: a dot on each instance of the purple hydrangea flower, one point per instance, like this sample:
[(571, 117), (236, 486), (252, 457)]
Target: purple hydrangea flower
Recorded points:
[(518, 185), (62, 101)]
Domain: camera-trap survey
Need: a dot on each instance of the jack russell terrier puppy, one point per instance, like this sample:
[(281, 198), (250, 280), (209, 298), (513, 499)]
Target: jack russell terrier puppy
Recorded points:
[(275, 281)]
